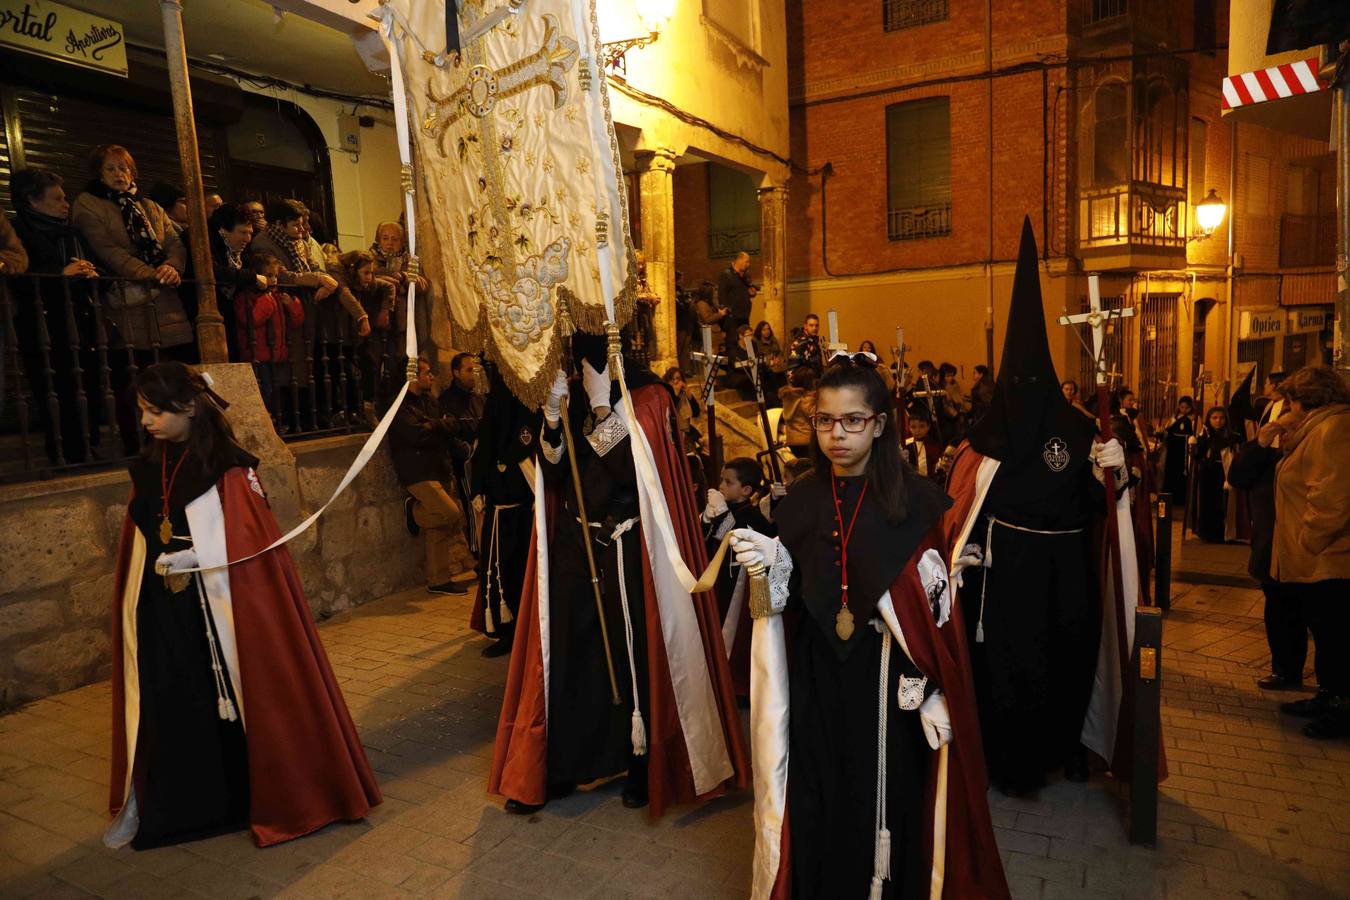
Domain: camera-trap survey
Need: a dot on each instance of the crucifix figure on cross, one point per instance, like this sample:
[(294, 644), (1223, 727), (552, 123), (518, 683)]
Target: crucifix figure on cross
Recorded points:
[(1097, 318)]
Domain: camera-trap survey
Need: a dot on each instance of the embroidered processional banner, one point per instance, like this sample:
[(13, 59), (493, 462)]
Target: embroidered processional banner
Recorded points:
[(519, 194)]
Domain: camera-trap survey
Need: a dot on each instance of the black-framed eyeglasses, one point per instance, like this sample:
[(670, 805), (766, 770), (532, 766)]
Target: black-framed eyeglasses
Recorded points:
[(853, 423)]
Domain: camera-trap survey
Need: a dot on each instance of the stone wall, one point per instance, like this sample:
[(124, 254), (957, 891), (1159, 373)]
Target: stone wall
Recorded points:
[(58, 543)]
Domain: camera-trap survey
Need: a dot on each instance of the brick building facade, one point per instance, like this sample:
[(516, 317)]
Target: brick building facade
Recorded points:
[(1098, 119)]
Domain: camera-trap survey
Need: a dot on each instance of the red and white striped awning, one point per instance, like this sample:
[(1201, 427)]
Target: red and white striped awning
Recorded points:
[(1271, 84)]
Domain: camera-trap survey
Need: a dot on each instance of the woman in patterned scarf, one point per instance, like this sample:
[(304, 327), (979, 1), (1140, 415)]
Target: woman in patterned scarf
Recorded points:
[(133, 239)]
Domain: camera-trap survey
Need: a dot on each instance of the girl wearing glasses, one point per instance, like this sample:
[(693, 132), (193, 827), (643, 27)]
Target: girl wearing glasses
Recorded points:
[(873, 656)]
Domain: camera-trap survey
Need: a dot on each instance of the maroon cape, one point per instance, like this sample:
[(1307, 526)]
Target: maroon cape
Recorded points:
[(520, 756), (305, 761)]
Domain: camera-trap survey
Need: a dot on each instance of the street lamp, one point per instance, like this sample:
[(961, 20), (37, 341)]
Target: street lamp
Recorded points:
[(1209, 214), (654, 15)]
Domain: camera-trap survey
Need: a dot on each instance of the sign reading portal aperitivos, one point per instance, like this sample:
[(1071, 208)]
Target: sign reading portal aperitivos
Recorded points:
[(60, 32)]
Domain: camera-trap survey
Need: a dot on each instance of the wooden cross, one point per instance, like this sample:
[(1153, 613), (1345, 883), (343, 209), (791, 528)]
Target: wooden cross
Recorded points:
[(711, 363), (898, 351), (1097, 318)]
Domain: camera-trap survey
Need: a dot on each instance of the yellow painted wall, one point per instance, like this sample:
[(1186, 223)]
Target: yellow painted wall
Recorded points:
[(702, 71)]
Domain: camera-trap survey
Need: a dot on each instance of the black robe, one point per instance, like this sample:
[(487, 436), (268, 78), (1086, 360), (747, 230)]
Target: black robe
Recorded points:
[(507, 434), (1209, 514), (833, 686), (191, 766), (1033, 625), (589, 737), (1176, 436)]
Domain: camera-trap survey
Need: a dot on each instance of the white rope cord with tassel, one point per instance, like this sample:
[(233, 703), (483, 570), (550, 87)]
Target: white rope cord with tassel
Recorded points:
[(881, 862), (225, 707), (639, 730), (984, 580)]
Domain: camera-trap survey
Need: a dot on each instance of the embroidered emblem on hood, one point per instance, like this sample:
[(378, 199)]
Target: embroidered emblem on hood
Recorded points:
[(1056, 454)]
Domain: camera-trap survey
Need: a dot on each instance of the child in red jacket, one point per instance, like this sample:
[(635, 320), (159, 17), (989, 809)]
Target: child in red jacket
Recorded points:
[(263, 317)]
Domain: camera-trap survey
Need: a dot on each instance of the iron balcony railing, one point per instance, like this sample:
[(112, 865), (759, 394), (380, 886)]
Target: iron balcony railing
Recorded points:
[(74, 346), (1101, 10), (900, 14), (919, 222), (1149, 215)]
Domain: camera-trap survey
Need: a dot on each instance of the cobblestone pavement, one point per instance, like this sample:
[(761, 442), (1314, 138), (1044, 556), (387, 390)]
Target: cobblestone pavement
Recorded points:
[(1252, 808)]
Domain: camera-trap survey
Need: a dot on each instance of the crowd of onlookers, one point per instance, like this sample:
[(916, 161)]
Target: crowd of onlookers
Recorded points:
[(324, 329), (937, 407)]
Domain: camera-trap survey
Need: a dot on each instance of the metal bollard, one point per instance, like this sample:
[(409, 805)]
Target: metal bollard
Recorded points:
[(1147, 659), (1162, 553)]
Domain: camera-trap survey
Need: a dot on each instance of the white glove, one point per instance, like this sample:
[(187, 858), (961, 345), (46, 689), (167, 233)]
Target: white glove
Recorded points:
[(553, 405), (596, 384), (971, 555), (1109, 455), (752, 547), (717, 504), (937, 722), (171, 563), (778, 490)]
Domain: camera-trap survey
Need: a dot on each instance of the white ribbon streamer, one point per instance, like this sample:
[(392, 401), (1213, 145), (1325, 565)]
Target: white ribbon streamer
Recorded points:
[(410, 343)]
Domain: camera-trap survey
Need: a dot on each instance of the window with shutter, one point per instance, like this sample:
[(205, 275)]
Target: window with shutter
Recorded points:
[(733, 213), (919, 169), (58, 131)]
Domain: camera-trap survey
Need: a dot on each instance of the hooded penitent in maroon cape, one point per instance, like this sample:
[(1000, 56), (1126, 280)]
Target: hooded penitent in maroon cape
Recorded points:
[(817, 706), (267, 742), (558, 725), (1042, 612)]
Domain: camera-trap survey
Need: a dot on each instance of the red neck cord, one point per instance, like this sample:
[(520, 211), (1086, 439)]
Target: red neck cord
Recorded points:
[(844, 535)]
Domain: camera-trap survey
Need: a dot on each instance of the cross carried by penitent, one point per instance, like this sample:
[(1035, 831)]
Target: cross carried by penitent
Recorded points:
[(1097, 318), (711, 364)]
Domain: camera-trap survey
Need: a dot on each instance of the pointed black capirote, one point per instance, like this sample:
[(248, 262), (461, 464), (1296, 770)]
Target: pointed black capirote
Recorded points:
[(1027, 397)]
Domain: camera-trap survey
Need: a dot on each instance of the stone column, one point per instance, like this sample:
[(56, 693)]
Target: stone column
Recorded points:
[(656, 189), (773, 257)]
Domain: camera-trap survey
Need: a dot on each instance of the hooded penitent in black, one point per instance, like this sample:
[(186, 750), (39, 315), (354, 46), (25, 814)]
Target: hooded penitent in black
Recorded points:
[(1033, 611), (508, 434)]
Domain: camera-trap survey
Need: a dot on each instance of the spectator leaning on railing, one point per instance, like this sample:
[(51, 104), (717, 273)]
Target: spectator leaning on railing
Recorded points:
[(56, 249), (1311, 548), (376, 297), (391, 264), (264, 316), (132, 237), (229, 231)]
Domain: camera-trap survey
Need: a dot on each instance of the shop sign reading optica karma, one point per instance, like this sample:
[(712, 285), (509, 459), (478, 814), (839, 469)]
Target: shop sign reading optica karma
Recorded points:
[(57, 31)]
